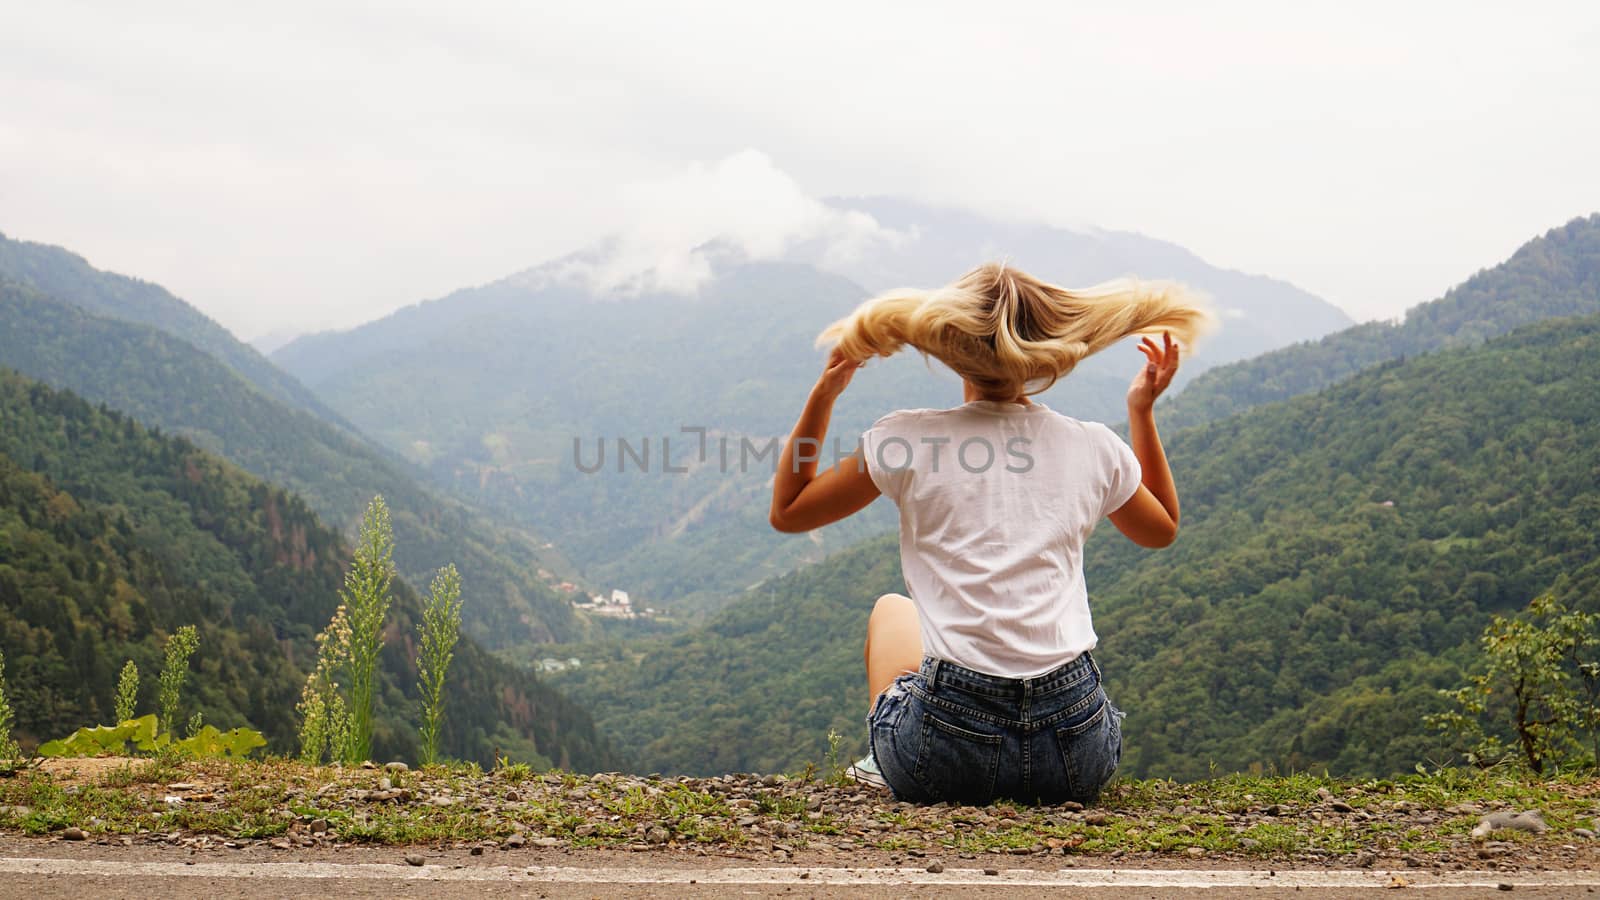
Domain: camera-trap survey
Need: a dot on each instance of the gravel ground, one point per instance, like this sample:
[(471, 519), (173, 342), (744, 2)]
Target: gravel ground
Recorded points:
[(280, 810)]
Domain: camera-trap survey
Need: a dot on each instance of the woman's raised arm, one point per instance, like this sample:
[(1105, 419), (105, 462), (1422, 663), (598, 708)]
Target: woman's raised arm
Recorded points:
[(1150, 517), (802, 499)]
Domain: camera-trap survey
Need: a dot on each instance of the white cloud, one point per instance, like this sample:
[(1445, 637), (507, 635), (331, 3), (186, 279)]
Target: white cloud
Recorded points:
[(743, 204)]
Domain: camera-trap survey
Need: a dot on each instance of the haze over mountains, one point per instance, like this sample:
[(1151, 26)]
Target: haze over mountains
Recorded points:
[(68, 278), (490, 386)]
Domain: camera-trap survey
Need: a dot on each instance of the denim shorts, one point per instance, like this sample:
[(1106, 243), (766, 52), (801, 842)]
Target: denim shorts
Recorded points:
[(949, 733)]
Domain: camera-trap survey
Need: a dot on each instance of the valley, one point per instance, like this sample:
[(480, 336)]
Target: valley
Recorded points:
[(594, 465), (502, 381)]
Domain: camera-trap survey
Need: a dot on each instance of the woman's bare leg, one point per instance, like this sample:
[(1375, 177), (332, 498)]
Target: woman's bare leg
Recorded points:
[(894, 642)]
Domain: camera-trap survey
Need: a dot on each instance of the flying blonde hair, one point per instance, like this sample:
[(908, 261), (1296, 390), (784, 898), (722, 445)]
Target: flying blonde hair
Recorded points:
[(1009, 333)]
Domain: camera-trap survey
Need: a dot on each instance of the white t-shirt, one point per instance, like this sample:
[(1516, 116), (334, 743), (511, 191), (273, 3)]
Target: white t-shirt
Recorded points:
[(996, 500)]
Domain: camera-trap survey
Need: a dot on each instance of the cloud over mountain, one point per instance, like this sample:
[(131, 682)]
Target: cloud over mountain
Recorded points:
[(741, 206)]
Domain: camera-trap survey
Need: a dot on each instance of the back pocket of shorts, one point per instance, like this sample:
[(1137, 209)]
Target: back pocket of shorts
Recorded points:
[(955, 763), (1091, 750)]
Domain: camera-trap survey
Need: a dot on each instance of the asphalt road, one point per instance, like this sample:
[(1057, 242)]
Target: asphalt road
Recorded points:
[(66, 871)]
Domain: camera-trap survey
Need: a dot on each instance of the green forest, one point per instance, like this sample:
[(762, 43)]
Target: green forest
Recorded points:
[(112, 536), (69, 278), (165, 381), (1557, 274), (1339, 556)]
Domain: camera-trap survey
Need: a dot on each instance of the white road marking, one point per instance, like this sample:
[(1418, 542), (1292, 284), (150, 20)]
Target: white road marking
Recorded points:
[(1142, 878)]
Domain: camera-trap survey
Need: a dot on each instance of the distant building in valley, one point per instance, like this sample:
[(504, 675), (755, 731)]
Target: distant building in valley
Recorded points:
[(617, 606)]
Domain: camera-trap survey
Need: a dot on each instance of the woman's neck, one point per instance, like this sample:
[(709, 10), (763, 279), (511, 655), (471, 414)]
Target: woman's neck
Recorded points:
[(970, 393)]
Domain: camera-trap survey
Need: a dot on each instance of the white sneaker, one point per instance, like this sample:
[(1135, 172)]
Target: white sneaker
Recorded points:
[(866, 771)]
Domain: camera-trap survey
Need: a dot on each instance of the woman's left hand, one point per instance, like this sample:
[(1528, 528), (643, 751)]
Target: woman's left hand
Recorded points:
[(1161, 363), (837, 373)]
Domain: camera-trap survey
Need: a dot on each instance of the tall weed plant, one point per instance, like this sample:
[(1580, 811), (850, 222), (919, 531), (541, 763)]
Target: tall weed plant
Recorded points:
[(441, 627), (366, 599)]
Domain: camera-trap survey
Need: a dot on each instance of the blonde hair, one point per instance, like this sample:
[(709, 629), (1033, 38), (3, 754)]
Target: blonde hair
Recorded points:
[(1009, 333)]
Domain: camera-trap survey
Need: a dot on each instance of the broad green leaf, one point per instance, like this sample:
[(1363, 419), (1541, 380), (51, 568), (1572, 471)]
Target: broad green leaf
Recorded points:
[(103, 740)]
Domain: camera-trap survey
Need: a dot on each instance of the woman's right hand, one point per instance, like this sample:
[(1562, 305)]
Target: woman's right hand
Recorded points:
[(1161, 364), (836, 374)]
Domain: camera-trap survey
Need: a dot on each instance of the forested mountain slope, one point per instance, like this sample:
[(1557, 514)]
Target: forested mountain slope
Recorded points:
[(69, 278), (112, 536), (1557, 274), (1340, 554), (491, 388), (164, 381)]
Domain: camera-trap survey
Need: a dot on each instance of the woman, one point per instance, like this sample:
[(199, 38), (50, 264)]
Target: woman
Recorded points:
[(982, 681)]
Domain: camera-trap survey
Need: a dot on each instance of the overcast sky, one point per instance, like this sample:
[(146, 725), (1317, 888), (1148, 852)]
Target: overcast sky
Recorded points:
[(307, 165)]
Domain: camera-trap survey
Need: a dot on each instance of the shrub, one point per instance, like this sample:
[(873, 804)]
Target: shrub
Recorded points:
[(1540, 677)]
